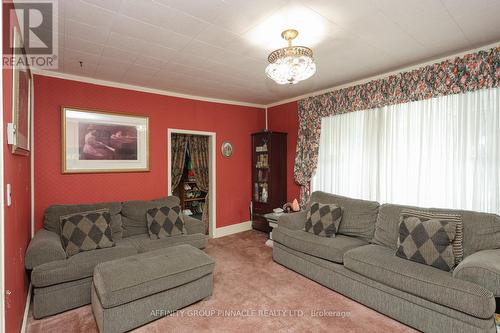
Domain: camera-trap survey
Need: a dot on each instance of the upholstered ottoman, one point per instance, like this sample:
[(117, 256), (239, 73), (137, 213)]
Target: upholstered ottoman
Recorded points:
[(132, 291)]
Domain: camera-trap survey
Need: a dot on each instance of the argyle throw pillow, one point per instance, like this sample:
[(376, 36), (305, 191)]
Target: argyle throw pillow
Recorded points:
[(86, 231), (323, 219), (433, 239), (165, 221)]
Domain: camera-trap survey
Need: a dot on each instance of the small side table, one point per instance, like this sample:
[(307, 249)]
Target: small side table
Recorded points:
[(272, 219)]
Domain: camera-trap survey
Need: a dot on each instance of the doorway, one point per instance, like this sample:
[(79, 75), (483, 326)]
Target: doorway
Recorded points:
[(188, 151)]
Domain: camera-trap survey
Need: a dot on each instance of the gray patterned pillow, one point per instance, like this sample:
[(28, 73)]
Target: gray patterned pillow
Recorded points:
[(432, 239), (165, 221), (323, 219), (86, 231)]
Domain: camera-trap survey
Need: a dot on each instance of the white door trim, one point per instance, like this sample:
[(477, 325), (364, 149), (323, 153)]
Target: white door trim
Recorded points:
[(2, 213), (2, 227), (212, 144)]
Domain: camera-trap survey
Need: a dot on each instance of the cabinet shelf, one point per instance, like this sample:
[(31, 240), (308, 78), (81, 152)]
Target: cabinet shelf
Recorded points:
[(194, 199)]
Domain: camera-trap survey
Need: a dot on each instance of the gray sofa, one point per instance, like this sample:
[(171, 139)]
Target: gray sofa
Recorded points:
[(61, 283), (360, 263)]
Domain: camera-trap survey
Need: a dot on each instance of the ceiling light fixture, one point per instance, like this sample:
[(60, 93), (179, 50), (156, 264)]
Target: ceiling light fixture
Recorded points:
[(291, 64)]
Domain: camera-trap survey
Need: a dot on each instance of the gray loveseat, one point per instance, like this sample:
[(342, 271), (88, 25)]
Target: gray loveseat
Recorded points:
[(360, 263), (62, 283)]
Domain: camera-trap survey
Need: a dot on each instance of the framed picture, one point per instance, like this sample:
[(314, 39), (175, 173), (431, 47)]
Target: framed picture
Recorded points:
[(21, 99), (97, 141), (227, 149)]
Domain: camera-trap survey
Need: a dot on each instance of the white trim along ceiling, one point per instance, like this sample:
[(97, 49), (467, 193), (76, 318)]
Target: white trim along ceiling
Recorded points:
[(217, 50)]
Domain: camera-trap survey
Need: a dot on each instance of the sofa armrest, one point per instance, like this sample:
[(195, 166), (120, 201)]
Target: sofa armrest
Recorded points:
[(482, 268), (44, 247), (294, 221), (193, 226)]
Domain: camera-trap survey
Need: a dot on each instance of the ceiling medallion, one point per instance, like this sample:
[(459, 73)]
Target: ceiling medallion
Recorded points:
[(291, 64)]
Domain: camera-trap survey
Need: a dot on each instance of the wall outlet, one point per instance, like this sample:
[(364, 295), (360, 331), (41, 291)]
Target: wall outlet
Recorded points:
[(8, 193), (11, 134)]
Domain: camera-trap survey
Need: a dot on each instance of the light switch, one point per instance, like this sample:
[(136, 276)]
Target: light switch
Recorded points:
[(9, 195)]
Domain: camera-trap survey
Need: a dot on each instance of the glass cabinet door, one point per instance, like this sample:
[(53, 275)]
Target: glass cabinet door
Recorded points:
[(261, 168)]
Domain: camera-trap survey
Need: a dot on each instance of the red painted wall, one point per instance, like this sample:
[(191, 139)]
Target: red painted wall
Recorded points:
[(17, 224), (231, 123), (284, 118)]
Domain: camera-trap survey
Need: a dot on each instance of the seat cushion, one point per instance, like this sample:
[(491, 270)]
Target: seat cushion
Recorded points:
[(358, 216), (53, 214), (134, 214), (380, 264), (121, 281), (144, 244), (481, 231), (79, 266), (331, 249)]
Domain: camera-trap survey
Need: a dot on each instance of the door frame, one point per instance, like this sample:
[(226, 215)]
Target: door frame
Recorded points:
[(212, 180)]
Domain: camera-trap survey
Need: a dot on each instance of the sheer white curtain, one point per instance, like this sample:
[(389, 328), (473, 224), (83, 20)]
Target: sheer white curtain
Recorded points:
[(440, 152)]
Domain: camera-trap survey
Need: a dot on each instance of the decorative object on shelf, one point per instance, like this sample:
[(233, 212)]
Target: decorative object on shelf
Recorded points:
[(97, 141), (291, 206), (20, 128), (227, 149), (290, 64), (264, 193), (262, 161), (261, 149)]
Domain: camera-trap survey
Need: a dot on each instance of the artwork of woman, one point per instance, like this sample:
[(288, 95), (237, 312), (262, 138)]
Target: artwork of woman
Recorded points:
[(94, 149)]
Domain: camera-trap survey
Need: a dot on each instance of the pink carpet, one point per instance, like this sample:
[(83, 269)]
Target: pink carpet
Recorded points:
[(263, 295)]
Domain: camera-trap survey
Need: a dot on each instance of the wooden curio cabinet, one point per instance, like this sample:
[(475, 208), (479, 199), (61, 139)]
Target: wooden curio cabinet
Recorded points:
[(268, 176)]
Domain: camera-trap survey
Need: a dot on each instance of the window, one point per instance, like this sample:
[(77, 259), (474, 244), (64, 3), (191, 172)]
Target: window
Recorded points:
[(441, 152)]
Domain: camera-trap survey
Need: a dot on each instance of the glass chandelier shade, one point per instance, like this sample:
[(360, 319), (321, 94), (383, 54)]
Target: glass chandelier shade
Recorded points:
[(291, 64)]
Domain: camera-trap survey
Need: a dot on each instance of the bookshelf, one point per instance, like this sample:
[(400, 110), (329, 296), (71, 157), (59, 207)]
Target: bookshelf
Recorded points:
[(268, 176)]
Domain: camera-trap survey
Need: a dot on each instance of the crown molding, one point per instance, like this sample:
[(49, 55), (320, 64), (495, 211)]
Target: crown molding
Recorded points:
[(383, 75), (114, 84)]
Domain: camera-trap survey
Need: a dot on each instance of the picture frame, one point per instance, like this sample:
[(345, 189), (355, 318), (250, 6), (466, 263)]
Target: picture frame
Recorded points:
[(226, 149), (22, 101), (95, 141)]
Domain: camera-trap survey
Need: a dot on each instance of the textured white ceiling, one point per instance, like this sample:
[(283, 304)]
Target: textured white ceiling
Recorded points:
[(219, 48)]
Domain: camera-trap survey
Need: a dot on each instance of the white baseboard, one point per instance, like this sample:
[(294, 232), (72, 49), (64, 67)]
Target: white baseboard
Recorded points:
[(24, 326), (232, 229)]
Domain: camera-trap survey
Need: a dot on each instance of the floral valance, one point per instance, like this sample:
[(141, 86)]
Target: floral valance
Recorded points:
[(459, 75)]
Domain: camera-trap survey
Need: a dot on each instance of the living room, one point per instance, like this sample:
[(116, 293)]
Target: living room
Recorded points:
[(228, 166)]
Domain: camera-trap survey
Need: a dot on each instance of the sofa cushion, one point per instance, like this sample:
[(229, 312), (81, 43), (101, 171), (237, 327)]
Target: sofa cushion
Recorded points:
[(331, 249), (124, 280), (358, 216), (481, 231), (79, 266), (427, 240), (323, 219), (86, 231), (482, 268), (134, 214), (165, 222), (145, 244), (53, 214), (380, 264)]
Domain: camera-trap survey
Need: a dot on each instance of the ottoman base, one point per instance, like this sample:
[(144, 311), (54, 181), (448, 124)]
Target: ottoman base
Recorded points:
[(131, 315)]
